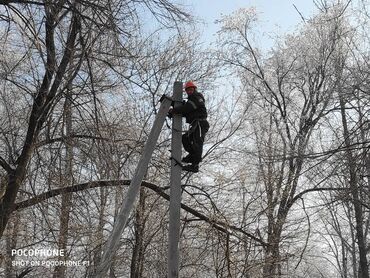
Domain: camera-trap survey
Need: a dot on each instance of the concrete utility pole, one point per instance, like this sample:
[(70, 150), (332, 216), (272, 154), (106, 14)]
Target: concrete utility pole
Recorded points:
[(113, 242), (175, 187)]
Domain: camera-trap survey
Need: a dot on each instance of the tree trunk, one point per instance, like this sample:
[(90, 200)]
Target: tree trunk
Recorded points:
[(59, 271), (11, 243), (137, 260), (15, 179), (272, 264), (351, 164), (344, 259), (98, 239), (42, 104)]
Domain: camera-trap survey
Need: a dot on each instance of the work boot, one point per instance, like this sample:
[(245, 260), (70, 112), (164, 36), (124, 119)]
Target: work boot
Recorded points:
[(187, 159), (191, 168)]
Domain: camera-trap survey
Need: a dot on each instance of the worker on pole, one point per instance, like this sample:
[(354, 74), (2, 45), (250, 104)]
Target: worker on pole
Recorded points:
[(195, 113)]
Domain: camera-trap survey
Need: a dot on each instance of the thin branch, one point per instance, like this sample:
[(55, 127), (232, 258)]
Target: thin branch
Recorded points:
[(5, 165), (79, 136), (7, 2), (304, 20), (300, 195), (308, 234)]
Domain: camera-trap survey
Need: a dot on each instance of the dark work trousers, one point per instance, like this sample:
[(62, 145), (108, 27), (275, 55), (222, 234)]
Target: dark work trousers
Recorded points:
[(193, 139)]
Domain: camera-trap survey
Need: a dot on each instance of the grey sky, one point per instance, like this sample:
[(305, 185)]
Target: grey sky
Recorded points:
[(275, 15)]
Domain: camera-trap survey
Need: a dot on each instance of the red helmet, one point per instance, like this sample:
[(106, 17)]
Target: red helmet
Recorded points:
[(190, 84)]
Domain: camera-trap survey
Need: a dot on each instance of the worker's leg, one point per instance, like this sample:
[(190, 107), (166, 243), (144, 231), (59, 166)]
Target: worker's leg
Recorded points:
[(198, 141), (186, 142)]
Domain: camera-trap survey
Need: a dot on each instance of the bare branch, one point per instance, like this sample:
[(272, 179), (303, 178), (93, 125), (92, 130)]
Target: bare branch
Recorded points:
[(5, 165), (300, 195), (295, 7), (7, 2)]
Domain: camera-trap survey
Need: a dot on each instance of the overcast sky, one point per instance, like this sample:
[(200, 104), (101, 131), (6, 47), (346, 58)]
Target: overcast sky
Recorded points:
[(275, 15)]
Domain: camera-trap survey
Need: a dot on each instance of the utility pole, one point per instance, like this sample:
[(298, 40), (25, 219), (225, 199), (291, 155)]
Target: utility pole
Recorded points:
[(112, 244), (175, 187)]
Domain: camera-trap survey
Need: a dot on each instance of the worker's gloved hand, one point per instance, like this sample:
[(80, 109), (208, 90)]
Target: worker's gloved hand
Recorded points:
[(170, 114)]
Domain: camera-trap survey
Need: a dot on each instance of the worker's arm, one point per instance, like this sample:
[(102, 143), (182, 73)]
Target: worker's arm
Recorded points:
[(186, 108)]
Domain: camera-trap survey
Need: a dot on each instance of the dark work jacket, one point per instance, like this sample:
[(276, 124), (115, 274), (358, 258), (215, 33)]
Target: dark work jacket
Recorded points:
[(193, 109)]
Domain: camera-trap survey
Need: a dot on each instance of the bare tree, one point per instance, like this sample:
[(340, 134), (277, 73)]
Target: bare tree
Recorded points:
[(295, 87)]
